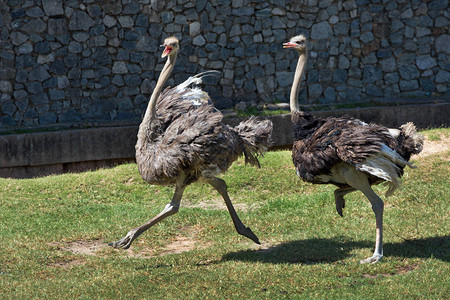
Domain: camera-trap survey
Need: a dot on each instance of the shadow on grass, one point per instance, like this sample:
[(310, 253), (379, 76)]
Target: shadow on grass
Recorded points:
[(315, 251)]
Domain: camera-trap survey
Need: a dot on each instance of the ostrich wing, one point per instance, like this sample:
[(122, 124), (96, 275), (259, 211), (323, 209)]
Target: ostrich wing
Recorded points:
[(196, 142), (336, 140)]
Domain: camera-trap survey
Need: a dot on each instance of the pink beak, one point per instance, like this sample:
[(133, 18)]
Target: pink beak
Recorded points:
[(289, 45), (166, 52)]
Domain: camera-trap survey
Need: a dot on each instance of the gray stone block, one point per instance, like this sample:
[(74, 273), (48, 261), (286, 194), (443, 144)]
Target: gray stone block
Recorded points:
[(133, 80), (34, 26), (147, 43), (119, 67), (75, 47), (131, 8), (38, 74), (427, 84), (438, 5), (315, 90), (166, 17), (330, 94), (425, 62), (40, 99), (8, 108), (109, 21), (57, 26), (53, 7), (408, 85), (367, 37), (372, 74), (25, 48), (443, 77), (126, 21), (58, 67), (48, 118), (409, 72), (31, 113), (18, 38), (422, 31), (343, 62), (339, 75), (80, 21), (199, 40), (34, 87), (443, 44), (341, 29), (373, 90), (321, 30), (388, 64)]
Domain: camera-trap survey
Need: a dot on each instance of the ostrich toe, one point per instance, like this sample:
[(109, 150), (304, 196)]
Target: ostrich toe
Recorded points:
[(123, 243), (371, 260)]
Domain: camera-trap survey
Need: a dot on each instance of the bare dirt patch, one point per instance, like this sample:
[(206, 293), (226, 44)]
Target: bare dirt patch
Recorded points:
[(218, 204), (399, 271), (431, 147), (85, 247), (186, 240)]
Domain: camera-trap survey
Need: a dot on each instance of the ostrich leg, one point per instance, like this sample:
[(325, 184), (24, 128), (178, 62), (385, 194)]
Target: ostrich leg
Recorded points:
[(377, 207), (339, 198), (221, 187), (170, 209), (360, 182)]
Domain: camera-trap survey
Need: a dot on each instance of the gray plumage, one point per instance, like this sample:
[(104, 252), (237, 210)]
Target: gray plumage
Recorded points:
[(182, 140), (349, 153), (193, 140), (321, 144)]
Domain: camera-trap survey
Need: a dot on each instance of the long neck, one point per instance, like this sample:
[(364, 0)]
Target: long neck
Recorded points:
[(150, 112), (297, 79)]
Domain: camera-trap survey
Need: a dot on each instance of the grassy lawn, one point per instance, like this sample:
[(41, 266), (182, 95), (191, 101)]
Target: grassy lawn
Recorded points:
[(54, 233)]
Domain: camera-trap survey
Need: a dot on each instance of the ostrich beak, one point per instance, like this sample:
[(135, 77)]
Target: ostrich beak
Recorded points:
[(166, 51), (289, 45)]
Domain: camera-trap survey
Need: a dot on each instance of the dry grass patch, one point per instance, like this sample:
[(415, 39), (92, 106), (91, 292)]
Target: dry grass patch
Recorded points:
[(401, 270), (218, 204), (435, 144), (186, 240)]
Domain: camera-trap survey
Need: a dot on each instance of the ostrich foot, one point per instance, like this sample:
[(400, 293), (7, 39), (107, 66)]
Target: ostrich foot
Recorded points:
[(124, 242), (340, 204), (339, 198), (371, 260), (247, 232)]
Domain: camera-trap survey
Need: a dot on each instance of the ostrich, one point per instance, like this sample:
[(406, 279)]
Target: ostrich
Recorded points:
[(182, 140), (349, 153)]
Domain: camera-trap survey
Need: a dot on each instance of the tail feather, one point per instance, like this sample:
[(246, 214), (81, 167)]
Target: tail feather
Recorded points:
[(257, 138), (197, 79)]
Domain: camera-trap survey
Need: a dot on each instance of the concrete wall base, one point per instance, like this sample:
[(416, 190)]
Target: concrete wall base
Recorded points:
[(44, 153)]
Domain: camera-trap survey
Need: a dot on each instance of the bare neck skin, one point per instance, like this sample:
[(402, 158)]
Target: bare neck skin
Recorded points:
[(150, 113), (293, 103)]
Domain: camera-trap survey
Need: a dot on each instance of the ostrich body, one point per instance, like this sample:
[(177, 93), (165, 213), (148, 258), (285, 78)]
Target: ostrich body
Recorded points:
[(182, 140), (349, 153)]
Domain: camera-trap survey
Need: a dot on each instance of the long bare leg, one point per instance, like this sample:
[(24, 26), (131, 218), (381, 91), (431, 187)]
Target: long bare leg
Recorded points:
[(221, 187), (339, 198), (359, 181), (170, 209)]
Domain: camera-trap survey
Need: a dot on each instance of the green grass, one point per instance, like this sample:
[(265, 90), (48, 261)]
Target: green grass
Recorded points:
[(308, 250)]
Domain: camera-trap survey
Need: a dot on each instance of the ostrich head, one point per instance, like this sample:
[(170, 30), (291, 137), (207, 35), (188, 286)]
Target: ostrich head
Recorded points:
[(172, 46), (297, 42)]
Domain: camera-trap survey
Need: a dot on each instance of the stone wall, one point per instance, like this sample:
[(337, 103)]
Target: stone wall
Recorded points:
[(88, 61)]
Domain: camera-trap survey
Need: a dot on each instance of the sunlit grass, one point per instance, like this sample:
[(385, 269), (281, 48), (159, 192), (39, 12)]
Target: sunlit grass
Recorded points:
[(307, 249)]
